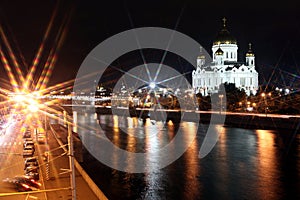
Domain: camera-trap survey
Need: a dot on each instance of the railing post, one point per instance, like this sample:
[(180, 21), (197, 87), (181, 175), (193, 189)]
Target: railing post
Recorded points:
[(71, 162)]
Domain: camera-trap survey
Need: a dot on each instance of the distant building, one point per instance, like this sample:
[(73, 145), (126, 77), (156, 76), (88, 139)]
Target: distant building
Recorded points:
[(225, 67)]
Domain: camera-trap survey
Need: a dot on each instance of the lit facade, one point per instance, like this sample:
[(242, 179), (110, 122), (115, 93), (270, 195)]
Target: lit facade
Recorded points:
[(225, 67)]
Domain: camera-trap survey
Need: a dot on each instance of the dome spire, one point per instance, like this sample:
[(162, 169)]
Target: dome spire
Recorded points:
[(224, 22), (250, 52)]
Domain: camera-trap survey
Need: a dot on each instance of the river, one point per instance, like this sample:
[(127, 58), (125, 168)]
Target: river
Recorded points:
[(244, 163)]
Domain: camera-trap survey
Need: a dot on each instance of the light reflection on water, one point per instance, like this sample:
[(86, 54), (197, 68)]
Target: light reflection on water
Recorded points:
[(244, 164)]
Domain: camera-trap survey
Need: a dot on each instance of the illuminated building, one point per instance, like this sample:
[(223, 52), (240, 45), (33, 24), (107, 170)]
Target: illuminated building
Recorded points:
[(225, 67)]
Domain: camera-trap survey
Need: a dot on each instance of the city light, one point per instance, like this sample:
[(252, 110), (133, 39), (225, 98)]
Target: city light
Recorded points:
[(19, 98), (33, 106), (152, 85)]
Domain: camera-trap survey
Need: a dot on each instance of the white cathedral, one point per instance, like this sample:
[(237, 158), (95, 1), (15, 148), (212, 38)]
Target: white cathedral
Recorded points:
[(225, 67)]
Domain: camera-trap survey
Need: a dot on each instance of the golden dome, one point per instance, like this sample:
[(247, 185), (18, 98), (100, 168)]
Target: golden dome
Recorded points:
[(219, 51), (224, 36), (250, 52), (201, 54)]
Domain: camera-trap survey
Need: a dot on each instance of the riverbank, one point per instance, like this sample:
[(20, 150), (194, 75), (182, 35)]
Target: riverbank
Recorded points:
[(241, 120)]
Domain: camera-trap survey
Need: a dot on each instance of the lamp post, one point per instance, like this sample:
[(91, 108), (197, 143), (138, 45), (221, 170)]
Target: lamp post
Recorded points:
[(254, 106), (71, 162), (263, 95)]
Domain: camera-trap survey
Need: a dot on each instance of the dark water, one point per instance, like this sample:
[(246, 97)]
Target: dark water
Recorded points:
[(244, 164)]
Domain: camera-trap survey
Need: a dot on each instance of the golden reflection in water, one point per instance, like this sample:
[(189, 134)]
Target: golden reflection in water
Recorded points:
[(171, 130), (222, 140), (116, 132), (116, 121), (131, 144), (115, 139), (267, 163), (192, 186), (130, 122)]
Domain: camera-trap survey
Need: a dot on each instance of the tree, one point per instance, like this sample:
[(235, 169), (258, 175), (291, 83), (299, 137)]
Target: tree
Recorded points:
[(204, 102), (233, 95)]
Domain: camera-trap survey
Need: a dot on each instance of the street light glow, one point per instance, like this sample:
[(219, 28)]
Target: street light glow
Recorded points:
[(33, 107), (152, 85), (19, 98)]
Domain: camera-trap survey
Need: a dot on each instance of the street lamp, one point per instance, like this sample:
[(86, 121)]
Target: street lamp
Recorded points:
[(254, 106), (263, 95)]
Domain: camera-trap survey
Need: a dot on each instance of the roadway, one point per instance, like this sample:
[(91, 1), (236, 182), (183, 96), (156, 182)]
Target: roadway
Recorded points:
[(12, 162), (54, 177)]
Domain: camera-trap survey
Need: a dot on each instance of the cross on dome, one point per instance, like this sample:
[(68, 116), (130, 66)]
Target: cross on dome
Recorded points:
[(224, 21)]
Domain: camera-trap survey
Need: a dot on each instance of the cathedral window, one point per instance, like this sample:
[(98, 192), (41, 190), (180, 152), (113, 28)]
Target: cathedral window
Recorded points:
[(242, 82)]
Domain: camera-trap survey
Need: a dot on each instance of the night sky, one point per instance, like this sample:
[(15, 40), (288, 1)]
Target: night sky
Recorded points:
[(273, 29)]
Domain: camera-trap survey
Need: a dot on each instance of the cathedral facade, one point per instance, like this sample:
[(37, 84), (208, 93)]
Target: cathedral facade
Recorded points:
[(225, 67)]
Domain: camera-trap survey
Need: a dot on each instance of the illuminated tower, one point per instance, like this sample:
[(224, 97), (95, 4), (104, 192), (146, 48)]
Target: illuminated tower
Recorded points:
[(250, 57)]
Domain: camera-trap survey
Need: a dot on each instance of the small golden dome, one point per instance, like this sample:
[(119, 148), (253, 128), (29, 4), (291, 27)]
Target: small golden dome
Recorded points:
[(250, 52), (219, 52), (201, 54)]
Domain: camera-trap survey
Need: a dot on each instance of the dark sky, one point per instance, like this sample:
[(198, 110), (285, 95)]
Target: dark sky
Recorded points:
[(273, 29)]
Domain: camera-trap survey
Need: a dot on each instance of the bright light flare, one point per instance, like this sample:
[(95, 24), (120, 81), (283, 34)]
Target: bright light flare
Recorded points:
[(33, 107), (152, 85), (28, 101), (19, 98)]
